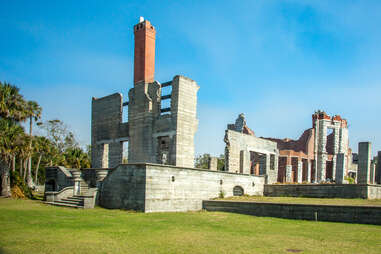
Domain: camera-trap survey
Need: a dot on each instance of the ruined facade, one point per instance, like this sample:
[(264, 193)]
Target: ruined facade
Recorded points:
[(155, 134), (247, 154), (315, 157)]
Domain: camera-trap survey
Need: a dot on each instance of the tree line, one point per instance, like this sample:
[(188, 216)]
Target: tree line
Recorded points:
[(23, 157)]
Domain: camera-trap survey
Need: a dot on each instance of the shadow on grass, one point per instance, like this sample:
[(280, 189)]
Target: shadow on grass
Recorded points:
[(2, 251)]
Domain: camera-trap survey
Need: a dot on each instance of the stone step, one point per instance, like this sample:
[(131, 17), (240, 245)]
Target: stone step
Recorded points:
[(75, 198), (59, 203), (72, 202)]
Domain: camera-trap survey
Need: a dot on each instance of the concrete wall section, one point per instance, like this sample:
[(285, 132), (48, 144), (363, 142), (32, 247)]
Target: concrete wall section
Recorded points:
[(124, 188), (351, 214), (324, 190), (106, 117), (374, 191), (183, 111), (365, 151), (378, 168), (171, 188)]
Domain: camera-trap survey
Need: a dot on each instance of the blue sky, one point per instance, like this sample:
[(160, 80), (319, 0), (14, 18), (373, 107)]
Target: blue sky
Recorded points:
[(275, 61)]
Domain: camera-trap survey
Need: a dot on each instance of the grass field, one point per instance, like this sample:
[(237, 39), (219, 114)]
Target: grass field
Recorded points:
[(317, 201), (31, 227)]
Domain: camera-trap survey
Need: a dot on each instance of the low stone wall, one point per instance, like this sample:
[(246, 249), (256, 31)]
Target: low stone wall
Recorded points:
[(170, 188), (351, 214), (51, 196), (374, 191), (323, 190), (159, 188)]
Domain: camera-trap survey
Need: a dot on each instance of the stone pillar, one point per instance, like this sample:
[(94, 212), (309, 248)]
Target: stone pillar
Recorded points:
[(334, 166), (378, 169), (76, 174), (315, 170), (104, 155), (288, 170), (363, 172), (300, 171), (336, 147), (212, 163), (340, 168), (372, 172), (100, 176), (322, 153), (184, 118), (308, 171), (272, 168), (321, 167)]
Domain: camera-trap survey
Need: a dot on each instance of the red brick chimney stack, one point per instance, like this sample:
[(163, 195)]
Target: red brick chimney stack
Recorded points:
[(144, 59)]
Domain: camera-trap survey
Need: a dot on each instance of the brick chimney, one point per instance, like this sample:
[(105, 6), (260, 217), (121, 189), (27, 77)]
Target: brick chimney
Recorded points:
[(144, 59)]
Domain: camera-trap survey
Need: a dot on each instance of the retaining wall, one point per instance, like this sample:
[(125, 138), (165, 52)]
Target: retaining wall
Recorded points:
[(324, 190), (159, 188), (351, 214)]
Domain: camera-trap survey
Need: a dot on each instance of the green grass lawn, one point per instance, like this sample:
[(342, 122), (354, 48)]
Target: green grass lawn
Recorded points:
[(32, 227), (318, 201)]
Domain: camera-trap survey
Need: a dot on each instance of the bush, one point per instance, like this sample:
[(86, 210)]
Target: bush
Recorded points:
[(16, 181), (350, 180), (221, 194)]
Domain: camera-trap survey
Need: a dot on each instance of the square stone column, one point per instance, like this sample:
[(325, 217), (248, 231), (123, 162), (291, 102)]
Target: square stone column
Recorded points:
[(300, 171), (288, 173), (340, 168), (308, 171), (244, 162), (212, 163), (372, 172), (288, 170), (321, 167), (378, 169), (363, 172)]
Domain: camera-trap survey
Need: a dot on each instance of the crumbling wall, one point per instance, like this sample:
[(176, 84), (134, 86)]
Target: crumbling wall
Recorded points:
[(107, 131), (238, 143)]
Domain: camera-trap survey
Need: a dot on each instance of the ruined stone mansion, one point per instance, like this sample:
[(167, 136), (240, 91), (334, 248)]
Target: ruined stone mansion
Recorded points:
[(155, 134), (160, 174)]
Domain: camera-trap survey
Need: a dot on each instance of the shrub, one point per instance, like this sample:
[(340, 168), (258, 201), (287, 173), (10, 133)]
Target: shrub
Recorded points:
[(350, 180)]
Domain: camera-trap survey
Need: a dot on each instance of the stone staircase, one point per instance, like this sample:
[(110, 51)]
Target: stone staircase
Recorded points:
[(74, 202)]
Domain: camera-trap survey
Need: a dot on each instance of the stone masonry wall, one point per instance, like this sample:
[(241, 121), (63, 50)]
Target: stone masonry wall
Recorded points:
[(106, 117), (324, 190), (237, 142), (124, 188), (171, 188), (351, 214), (156, 188), (183, 111), (364, 160)]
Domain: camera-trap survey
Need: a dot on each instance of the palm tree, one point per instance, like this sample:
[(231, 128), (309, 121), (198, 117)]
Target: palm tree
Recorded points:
[(75, 157), (10, 134), (12, 110), (33, 111), (12, 103), (42, 146)]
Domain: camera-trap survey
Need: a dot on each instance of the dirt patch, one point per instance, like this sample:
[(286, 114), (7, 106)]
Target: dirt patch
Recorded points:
[(294, 250)]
